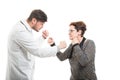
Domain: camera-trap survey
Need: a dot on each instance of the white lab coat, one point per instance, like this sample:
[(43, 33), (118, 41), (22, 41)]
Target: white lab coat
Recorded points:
[(22, 47)]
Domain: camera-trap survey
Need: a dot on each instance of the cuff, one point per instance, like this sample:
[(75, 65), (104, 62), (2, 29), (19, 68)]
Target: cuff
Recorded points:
[(52, 44)]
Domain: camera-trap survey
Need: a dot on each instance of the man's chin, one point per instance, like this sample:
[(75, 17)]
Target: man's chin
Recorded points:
[(36, 30)]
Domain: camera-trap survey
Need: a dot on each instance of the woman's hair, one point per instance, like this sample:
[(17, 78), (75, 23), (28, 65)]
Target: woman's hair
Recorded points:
[(39, 15), (79, 25)]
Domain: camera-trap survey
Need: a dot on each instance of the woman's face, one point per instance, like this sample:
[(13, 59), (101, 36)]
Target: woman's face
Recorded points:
[(73, 32)]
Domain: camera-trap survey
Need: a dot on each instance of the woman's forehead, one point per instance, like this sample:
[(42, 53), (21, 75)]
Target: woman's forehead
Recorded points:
[(72, 27)]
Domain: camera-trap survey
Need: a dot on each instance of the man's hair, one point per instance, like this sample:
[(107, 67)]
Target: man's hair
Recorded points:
[(80, 25), (39, 15)]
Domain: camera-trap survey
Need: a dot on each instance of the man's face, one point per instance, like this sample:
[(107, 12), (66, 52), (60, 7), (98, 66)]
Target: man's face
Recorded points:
[(37, 25), (73, 32)]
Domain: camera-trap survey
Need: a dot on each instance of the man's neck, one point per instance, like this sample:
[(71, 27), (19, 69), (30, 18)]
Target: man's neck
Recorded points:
[(29, 22)]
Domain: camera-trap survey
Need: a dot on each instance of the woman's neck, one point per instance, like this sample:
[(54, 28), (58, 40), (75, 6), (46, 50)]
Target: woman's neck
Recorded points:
[(80, 39)]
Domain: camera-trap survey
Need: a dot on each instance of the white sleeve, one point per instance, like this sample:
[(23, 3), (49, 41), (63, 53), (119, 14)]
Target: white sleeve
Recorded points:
[(27, 41)]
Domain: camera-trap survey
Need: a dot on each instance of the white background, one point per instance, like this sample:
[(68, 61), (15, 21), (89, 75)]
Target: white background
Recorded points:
[(102, 18)]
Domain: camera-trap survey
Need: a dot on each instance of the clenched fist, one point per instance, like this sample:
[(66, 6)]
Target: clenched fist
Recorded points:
[(45, 34), (62, 45), (50, 40)]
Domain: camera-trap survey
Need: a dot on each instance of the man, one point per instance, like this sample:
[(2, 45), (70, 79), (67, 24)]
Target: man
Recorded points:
[(22, 47)]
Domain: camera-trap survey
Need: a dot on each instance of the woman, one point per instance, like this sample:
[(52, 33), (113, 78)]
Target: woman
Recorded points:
[(81, 53)]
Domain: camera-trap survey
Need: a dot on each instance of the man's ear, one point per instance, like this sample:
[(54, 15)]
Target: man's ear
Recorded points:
[(34, 20)]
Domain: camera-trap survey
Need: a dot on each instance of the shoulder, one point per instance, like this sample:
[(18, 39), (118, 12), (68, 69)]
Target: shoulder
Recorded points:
[(89, 44), (89, 41)]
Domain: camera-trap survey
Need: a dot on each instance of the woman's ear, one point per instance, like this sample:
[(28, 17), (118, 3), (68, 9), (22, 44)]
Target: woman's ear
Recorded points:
[(79, 32)]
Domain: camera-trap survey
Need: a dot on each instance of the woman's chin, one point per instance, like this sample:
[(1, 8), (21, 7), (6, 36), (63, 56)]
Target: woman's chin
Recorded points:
[(70, 38)]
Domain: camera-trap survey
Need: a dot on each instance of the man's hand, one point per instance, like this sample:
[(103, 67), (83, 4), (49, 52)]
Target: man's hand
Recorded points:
[(51, 41), (45, 34)]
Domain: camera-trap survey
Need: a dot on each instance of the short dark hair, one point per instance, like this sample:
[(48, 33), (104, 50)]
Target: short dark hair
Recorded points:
[(39, 15), (80, 25)]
